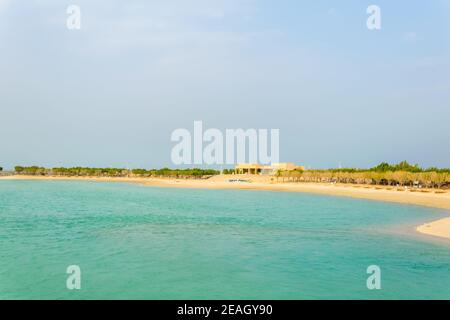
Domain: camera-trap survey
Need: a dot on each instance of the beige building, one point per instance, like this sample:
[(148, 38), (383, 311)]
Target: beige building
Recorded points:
[(255, 168)]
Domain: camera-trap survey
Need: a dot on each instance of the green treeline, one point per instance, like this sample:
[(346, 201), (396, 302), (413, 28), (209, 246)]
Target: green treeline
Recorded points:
[(114, 172), (402, 174), (195, 172), (386, 167)]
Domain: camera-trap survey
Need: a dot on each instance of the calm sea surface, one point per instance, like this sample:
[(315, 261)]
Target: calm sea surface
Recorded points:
[(135, 242)]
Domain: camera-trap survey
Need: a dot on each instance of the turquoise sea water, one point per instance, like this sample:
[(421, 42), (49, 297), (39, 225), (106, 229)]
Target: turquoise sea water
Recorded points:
[(134, 242)]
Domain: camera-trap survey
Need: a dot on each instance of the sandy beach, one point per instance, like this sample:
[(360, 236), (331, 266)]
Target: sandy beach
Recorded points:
[(429, 198), (440, 228)]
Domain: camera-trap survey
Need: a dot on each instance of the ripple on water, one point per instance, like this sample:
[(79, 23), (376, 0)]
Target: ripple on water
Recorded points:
[(138, 242)]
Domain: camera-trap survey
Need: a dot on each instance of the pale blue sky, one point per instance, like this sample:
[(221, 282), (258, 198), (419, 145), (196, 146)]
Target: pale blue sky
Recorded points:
[(111, 93)]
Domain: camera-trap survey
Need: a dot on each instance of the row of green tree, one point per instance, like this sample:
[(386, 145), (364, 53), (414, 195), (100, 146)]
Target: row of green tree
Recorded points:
[(402, 174), (382, 167), (167, 172), (114, 172), (401, 166)]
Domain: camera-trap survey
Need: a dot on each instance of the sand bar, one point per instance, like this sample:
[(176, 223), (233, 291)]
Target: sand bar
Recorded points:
[(440, 228)]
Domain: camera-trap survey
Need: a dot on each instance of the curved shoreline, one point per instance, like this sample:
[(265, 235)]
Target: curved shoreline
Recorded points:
[(439, 228)]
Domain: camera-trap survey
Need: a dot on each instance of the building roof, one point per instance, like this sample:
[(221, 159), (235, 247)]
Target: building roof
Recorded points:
[(274, 166), (249, 166)]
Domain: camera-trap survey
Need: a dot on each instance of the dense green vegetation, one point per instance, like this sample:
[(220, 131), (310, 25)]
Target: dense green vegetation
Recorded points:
[(115, 172), (195, 172), (34, 170), (401, 174)]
